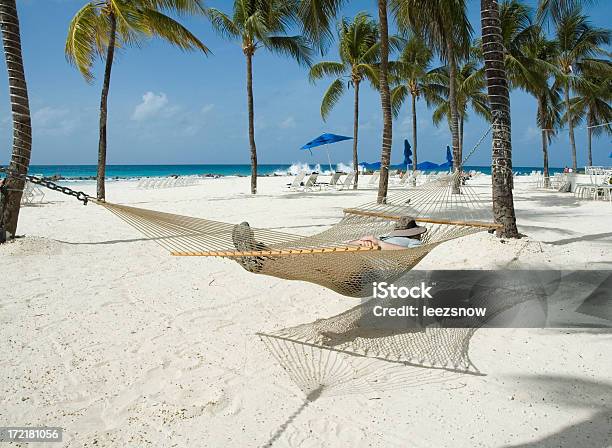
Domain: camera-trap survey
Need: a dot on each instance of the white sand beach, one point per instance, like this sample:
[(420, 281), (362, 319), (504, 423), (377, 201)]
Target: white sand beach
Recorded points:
[(106, 335)]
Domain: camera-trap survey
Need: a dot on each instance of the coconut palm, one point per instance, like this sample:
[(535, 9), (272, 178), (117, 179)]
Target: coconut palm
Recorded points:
[(11, 191), (554, 9), (385, 100), (316, 17), (579, 43), (542, 52), (592, 103), (470, 87), (358, 48), (498, 91), (256, 24), (445, 27), (100, 27), (411, 73)]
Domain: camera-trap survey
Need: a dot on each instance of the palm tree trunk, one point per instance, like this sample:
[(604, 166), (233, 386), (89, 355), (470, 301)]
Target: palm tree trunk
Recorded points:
[(414, 133), (385, 99), (110, 55), (570, 125), (590, 137), (452, 99), (542, 114), (545, 158), (497, 87), (461, 136), (12, 190), (355, 135), (249, 65)]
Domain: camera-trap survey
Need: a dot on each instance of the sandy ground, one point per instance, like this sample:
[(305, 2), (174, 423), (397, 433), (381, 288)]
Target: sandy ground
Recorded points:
[(104, 334)]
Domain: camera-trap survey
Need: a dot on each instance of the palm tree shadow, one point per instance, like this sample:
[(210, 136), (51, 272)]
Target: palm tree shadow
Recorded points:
[(594, 431)]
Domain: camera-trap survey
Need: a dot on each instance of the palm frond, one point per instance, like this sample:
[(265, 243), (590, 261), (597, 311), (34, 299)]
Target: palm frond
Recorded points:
[(326, 68), (181, 7), (316, 17), (222, 23), (332, 95), (170, 30), (82, 43), (398, 96), (293, 46)]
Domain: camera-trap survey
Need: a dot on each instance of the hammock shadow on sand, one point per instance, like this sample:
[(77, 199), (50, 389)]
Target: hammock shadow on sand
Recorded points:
[(350, 353)]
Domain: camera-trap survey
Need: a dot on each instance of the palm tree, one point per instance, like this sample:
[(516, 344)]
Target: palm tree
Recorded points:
[(541, 53), (445, 27), (100, 27), (470, 87), (579, 42), (11, 191), (592, 103), (358, 48), (554, 9), (256, 24), (385, 100), (411, 73), (549, 121), (497, 86)]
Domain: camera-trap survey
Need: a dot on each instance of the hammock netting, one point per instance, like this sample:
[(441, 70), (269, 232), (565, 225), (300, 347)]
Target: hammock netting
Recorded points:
[(330, 258)]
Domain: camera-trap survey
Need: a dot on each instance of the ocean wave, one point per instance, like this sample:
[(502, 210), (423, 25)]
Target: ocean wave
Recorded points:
[(300, 167)]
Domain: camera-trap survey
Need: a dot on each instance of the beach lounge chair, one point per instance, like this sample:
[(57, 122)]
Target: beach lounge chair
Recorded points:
[(296, 184), (348, 182), (374, 178), (334, 179), (311, 183)]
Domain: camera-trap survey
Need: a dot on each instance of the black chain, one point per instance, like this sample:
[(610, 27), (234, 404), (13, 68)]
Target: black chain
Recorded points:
[(81, 196)]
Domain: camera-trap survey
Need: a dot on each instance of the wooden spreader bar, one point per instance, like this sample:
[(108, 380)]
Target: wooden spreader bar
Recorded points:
[(273, 253), (354, 211)]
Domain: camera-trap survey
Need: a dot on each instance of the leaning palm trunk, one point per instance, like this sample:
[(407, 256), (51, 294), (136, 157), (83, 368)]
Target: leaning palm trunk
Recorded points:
[(414, 133), (497, 86), (10, 196), (570, 126), (355, 135), (385, 99), (249, 64), (110, 54)]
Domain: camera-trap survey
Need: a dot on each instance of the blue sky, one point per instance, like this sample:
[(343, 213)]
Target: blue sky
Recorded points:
[(167, 106)]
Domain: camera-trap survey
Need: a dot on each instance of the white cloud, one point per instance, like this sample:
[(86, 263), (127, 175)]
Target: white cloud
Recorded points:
[(52, 121), (287, 123), (152, 105), (207, 108)]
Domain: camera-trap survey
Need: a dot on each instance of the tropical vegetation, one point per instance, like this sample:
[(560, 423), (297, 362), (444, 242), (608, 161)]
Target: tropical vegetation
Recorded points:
[(256, 24), (358, 48), (413, 78), (554, 54), (101, 27)]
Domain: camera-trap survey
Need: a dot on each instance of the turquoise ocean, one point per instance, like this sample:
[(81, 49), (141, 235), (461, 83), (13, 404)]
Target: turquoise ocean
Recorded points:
[(88, 172)]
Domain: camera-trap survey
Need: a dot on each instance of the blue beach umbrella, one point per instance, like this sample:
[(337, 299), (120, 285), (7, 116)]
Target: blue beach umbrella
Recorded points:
[(407, 154), (325, 139), (449, 159)]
